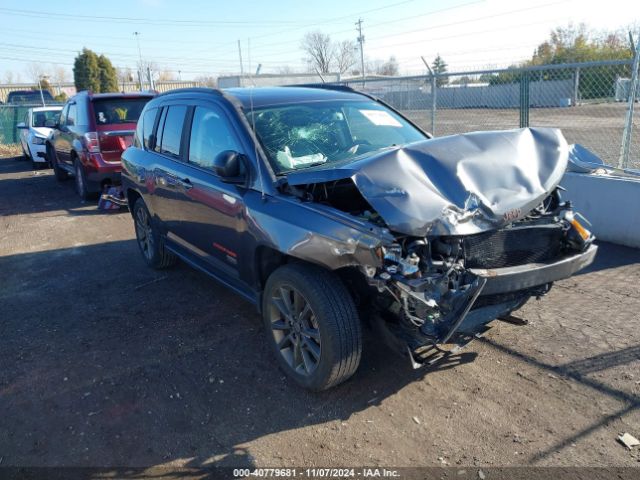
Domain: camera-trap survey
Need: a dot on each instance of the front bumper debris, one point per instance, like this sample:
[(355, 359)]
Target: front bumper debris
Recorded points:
[(520, 277)]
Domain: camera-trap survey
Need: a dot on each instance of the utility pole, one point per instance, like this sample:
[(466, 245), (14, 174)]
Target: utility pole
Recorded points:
[(240, 55), (361, 42), (137, 34)]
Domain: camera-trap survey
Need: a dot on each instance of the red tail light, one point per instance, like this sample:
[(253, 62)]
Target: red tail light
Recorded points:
[(92, 142)]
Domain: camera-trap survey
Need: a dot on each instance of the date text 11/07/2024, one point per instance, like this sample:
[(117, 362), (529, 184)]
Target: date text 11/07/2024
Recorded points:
[(316, 472)]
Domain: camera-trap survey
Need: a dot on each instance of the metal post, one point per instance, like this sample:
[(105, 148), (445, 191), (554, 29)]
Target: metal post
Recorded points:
[(623, 162), (434, 103), (41, 94), (137, 34), (576, 86), (241, 67), (150, 79), (361, 42), (14, 130), (524, 99), (434, 100)]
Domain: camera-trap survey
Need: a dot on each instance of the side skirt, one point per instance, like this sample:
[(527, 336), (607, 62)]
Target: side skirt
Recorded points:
[(189, 259)]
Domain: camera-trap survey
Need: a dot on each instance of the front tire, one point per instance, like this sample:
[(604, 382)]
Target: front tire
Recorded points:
[(312, 325), (25, 155), (149, 240), (60, 173)]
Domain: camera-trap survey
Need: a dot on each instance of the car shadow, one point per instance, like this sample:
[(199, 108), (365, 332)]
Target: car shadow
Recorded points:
[(611, 256), (107, 362), (37, 191), (579, 371)]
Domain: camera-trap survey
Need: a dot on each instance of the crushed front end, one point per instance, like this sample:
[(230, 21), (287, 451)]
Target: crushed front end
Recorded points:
[(443, 289)]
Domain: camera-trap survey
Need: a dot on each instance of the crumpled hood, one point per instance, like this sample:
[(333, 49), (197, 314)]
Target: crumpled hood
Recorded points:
[(455, 185)]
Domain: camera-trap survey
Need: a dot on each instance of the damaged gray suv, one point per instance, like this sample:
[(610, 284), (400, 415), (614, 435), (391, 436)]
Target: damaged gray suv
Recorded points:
[(328, 210)]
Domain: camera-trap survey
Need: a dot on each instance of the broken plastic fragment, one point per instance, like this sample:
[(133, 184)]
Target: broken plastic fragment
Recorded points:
[(628, 440)]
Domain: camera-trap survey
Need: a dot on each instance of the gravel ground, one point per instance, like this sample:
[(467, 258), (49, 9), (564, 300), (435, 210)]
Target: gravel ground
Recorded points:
[(108, 363)]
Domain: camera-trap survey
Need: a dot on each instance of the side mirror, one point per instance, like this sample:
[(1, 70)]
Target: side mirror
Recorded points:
[(21, 125), (228, 165)]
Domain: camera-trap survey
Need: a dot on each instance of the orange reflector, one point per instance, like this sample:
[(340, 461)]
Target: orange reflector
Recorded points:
[(583, 232)]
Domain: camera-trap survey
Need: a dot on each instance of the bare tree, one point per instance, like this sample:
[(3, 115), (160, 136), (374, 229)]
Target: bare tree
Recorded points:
[(35, 71), (319, 49), (125, 75), (11, 77), (345, 55), (284, 70), (389, 68), (148, 65), (166, 75), (207, 81), (59, 75)]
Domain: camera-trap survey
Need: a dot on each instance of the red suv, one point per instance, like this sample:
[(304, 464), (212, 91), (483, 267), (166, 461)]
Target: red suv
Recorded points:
[(92, 132)]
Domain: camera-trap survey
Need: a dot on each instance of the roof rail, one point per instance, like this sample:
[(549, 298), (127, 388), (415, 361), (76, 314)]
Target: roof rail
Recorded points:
[(326, 86), (193, 90)]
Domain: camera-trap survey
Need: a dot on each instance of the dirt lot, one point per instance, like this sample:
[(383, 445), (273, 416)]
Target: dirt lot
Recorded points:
[(107, 363)]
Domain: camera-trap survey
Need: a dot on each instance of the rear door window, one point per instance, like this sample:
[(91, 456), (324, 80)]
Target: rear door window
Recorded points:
[(63, 115), (72, 114), (160, 130), (172, 131), (148, 121)]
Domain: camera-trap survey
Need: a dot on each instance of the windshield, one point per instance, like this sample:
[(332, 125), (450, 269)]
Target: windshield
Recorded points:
[(39, 119), (118, 110), (308, 134), (29, 97)]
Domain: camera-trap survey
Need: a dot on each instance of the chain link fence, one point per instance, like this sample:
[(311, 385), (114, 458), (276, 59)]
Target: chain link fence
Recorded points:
[(10, 117), (591, 102), (587, 101)]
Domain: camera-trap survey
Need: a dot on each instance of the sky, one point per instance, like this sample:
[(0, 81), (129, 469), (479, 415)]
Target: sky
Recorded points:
[(193, 38)]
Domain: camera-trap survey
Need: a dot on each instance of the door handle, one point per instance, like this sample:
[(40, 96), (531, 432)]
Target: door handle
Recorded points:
[(166, 179), (186, 183)]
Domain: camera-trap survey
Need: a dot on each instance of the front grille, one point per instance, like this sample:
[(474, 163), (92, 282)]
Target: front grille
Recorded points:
[(512, 246)]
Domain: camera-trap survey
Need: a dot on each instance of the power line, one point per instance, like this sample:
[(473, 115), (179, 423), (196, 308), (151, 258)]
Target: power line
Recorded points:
[(466, 34), (99, 18)]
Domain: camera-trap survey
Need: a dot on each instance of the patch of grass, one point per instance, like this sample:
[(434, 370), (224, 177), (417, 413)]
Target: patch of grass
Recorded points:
[(10, 150)]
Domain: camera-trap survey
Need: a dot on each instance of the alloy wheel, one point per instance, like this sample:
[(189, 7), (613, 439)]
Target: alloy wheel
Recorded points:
[(295, 330), (144, 232)]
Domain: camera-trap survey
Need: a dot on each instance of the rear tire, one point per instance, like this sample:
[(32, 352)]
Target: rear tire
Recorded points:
[(82, 187), (61, 174), (312, 325), (149, 240)]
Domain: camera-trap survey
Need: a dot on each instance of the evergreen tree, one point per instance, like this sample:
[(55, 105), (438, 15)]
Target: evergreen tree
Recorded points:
[(108, 75), (439, 66), (86, 71)]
